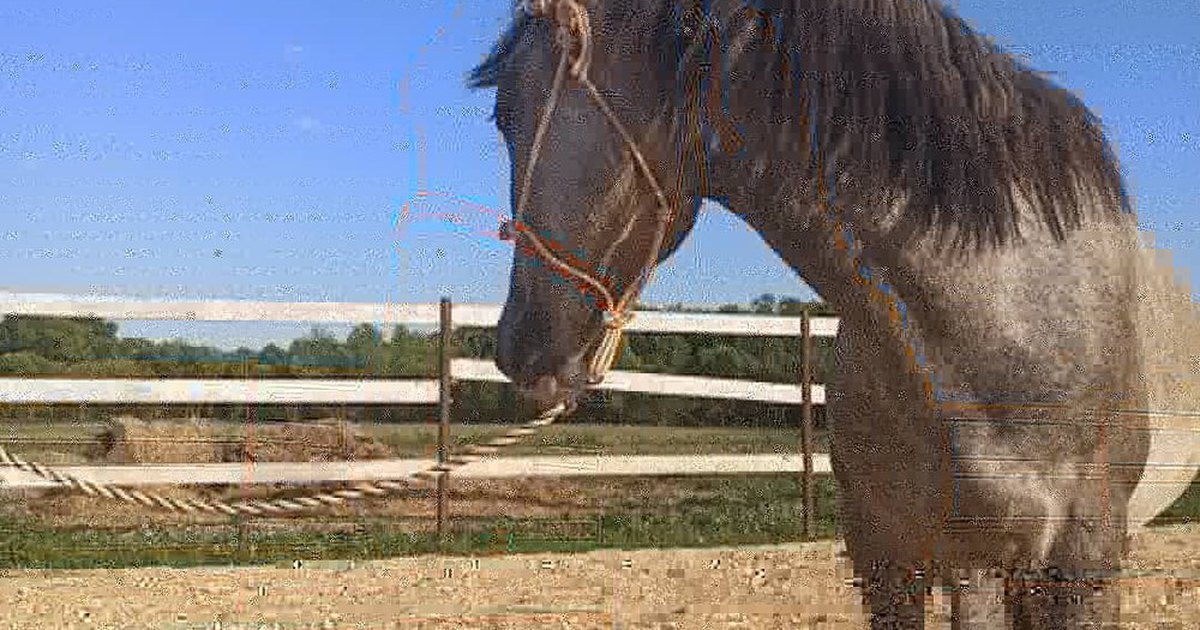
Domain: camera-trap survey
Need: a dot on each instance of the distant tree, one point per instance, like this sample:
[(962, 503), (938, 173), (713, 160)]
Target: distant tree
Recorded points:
[(364, 346), (724, 360), (791, 306), (66, 339), (27, 364), (822, 309), (243, 354), (764, 304), (317, 349), (364, 337), (134, 348), (272, 354), (478, 343), (180, 350), (794, 307), (410, 355)]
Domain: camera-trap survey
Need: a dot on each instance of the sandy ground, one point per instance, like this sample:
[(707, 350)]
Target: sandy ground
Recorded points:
[(790, 586)]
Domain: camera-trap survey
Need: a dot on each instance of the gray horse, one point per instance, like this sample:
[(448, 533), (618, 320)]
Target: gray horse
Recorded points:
[(965, 216)]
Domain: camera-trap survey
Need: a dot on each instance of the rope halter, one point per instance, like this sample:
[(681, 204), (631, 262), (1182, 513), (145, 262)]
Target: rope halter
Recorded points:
[(573, 36)]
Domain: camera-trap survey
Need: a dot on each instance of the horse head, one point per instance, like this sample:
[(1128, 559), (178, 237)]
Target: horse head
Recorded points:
[(599, 183)]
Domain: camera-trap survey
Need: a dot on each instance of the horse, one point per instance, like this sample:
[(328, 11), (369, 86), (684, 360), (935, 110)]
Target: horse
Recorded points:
[(999, 361)]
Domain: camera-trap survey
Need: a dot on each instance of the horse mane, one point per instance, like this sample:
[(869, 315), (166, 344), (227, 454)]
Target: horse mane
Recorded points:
[(487, 73), (909, 102)]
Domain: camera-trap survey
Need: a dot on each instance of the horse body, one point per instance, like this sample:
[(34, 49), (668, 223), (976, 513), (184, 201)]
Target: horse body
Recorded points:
[(964, 216), (1036, 341), (1029, 481)]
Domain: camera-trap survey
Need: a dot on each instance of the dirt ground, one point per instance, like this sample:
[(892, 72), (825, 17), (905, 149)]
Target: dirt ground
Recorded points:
[(792, 586)]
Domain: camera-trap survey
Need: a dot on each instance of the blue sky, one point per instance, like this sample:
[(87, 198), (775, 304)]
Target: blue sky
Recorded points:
[(264, 150)]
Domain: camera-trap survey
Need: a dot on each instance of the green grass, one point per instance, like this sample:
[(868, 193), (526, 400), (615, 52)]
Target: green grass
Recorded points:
[(716, 511), (72, 440), (723, 511), (1185, 509), (745, 510), (607, 439)]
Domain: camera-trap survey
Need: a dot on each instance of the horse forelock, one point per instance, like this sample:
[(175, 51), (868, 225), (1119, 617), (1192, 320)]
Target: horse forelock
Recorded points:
[(909, 100)]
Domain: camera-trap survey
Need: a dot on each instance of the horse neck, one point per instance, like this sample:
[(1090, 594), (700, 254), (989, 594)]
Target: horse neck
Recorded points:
[(755, 170)]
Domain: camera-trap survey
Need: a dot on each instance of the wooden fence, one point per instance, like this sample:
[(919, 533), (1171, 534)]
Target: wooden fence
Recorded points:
[(408, 391)]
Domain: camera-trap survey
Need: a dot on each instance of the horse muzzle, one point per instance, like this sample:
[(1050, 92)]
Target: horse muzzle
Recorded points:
[(545, 393)]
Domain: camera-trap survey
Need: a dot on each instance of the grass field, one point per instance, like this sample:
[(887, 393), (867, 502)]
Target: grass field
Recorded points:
[(680, 512), (728, 511), (60, 530), (66, 442), (57, 530)]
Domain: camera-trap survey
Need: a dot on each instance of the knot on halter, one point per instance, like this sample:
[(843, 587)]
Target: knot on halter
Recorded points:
[(618, 320), (571, 18), (606, 352)]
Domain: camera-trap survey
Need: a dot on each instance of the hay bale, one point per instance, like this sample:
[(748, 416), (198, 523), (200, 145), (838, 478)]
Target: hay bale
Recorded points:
[(297, 442), (129, 440)]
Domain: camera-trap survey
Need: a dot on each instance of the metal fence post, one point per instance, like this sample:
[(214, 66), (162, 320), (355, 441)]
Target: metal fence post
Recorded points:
[(444, 400), (806, 425)]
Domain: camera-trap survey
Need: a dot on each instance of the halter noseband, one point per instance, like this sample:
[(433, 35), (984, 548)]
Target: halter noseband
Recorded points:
[(573, 35)]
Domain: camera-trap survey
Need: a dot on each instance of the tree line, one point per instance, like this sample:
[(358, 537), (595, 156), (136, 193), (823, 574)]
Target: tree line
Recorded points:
[(32, 346)]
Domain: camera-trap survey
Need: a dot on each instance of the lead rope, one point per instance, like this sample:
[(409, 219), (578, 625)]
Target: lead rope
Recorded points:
[(279, 507)]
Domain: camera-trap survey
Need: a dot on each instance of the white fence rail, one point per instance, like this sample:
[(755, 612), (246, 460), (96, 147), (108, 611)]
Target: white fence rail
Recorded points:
[(383, 469), (473, 315), (364, 391), (663, 384), (275, 391), (361, 391)]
